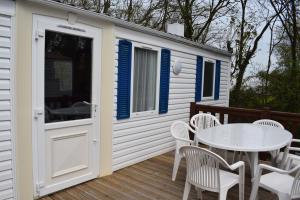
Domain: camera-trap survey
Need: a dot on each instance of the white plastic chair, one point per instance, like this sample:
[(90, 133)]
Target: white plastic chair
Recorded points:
[(204, 120), (278, 181), (180, 131), (272, 123), (268, 122), (287, 158), (203, 171), (274, 154)]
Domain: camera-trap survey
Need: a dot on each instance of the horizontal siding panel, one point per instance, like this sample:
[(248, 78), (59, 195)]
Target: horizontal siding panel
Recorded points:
[(5, 116), (4, 52), (142, 158), (131, 138), (4, 105), (139, 126), (5, 175), (5, 145), (5, 194), (5, 125), (4, 63), (140, 146), (5, 31), (5, 135), (179, 80), (4, 85), (5, 42), (5, 185), (5, 74), (143, 152), (5, 155), (4, 95), (6, 165), (5, 21)]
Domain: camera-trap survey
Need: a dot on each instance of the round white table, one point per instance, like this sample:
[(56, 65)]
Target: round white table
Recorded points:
[(245, 137)]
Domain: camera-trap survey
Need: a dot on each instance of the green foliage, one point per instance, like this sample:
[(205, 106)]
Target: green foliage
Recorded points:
[(279, 90)]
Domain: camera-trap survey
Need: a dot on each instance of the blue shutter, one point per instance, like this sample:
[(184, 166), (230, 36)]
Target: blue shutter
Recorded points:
[(124, 79), (199, 70), (217, 79), (164, 80)]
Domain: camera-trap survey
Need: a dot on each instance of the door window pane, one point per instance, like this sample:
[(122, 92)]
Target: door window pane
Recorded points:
[(144, 79), (68, 68), (208, 82)]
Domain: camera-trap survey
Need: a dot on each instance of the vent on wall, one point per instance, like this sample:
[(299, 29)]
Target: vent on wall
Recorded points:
[(176, 29)]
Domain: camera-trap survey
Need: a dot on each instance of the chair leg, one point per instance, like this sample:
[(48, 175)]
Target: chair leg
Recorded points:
[(254, 191), (241, 190), (233, 157), (223, 195), (199, 193), (248, 159), (176, 166), (226, 155), (187, 189)]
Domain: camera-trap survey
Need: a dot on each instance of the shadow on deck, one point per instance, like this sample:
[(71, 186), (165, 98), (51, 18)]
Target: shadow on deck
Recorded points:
[(147, 180)]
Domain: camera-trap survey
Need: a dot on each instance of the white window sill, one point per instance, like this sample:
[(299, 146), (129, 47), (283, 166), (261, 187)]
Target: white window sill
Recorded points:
[(144, 114)]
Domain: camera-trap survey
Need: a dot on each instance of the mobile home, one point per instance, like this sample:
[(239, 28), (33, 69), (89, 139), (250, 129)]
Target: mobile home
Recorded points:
[(83, 94)]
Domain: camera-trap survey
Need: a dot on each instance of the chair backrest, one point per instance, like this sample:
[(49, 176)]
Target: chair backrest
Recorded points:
[(268, 122), (180, 131), (203, 167), (204, 120)]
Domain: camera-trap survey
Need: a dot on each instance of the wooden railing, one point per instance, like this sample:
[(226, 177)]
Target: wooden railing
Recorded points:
[(291, 121)]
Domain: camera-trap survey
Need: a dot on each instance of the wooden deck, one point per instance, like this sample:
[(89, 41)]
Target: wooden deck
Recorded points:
[(147, 180)]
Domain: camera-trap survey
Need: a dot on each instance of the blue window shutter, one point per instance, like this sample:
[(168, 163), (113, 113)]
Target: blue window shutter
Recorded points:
[(124, 79), (199, 70), (217, 79), (164, 80)]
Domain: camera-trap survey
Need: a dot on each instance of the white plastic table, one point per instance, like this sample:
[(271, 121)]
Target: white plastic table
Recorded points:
[(245, 137)]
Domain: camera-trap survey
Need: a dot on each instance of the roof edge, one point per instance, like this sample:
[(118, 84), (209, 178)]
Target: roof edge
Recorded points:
[(129, 25)]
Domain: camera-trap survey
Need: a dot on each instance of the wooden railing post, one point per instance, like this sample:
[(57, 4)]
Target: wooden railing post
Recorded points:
[(192, 113), (192, 109)]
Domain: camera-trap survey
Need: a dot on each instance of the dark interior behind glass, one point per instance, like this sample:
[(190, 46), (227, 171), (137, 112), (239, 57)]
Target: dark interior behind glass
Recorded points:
[(208, 79), (68, 68)]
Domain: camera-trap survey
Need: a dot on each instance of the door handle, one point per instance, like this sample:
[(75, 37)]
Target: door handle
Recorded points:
[(38, 113)]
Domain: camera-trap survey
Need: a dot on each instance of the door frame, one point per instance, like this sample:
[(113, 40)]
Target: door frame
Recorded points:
[(74, 29)]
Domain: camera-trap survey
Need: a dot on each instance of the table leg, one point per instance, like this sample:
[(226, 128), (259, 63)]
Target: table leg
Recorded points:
[(253, 163)]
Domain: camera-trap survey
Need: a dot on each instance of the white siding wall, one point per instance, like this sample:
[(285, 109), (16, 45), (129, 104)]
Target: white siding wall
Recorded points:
[(140, 138), (7, 181)]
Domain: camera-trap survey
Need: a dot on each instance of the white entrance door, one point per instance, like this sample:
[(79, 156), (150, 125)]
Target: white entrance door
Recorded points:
[(65, 103)]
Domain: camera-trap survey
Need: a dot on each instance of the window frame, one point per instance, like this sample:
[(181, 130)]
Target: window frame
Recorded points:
[(214, 78), (152, 48)]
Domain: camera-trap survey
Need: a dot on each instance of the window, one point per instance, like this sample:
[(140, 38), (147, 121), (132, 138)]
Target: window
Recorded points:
[(145, 78), (68, 72), (208, 79)]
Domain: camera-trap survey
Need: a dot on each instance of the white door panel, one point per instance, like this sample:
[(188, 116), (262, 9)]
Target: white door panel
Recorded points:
[(65, 98)]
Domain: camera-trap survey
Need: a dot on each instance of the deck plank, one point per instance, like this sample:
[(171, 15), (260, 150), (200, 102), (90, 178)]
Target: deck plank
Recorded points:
[(148, 180)]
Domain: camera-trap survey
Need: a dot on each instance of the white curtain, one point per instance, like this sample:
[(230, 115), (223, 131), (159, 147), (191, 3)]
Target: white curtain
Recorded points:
[(144, 79)]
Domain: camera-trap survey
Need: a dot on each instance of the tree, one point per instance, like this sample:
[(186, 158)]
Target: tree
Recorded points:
[(199, 15), (253, 23)]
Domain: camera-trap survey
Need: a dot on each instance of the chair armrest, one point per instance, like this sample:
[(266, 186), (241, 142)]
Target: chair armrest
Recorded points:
[(294, 148), (272, 169), (236, 165), (296, 140), (184, 140)]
